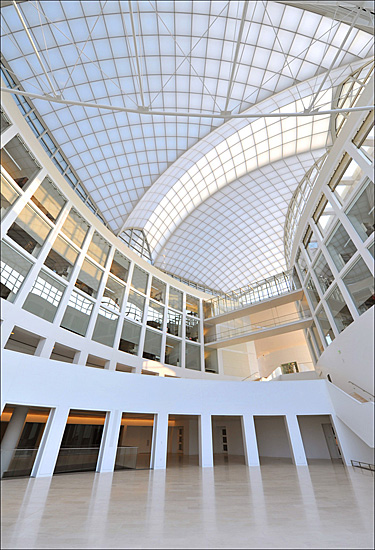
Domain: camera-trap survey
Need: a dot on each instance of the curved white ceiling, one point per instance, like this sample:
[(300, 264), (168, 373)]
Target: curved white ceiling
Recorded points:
[(197, 56)]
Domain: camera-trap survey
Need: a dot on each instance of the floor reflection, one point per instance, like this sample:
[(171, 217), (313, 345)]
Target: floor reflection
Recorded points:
[(275, 505)]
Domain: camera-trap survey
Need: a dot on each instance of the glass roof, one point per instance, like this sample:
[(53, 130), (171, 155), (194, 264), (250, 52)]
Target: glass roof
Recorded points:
[(187, 56), (205, 247)]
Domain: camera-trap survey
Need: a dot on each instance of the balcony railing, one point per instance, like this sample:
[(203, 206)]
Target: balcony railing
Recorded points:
[(256, 327), (277, 285)]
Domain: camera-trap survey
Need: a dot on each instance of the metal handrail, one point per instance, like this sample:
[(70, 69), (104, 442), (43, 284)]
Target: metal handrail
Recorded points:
[(276, 285), (365, 391), (363, 465), (268, 323)]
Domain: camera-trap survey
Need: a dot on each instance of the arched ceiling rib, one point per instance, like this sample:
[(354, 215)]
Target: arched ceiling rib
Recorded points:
[(159, 174)]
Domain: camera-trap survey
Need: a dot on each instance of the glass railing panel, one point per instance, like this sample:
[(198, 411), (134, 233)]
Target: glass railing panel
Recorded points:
[(76, 459)]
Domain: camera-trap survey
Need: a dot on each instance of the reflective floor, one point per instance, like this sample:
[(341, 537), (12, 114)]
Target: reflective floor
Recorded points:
[(230, 506)]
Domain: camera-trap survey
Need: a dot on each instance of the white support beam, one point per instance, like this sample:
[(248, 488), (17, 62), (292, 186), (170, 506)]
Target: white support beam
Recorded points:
[(187, 114)]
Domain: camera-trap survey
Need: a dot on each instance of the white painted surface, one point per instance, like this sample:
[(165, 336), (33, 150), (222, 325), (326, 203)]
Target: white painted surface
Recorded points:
[(36, 381), (350, 357), (272, 437), (313, 436)]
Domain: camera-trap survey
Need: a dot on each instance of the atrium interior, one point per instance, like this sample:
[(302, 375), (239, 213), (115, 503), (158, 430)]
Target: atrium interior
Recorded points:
[(187, 274)]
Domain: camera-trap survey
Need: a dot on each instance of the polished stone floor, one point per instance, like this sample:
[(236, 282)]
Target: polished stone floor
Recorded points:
[(277, 505)]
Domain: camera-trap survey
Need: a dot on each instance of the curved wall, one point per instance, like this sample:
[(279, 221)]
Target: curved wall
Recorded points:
[(156, 321), (333, 252)]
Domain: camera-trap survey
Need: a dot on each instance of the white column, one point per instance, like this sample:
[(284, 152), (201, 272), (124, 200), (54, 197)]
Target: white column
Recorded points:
[(206, 457), (295, 440), (108, 446), (250, 440), (11, 436), (159, 442), (49, 447)]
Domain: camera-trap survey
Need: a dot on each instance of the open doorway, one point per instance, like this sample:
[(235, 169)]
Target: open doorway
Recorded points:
[(21, 432), (319, 438), (228, 445), (134, 442), (81, 441), (272, 439), (183, 443)]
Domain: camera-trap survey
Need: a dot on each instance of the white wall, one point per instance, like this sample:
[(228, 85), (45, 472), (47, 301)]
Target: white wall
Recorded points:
[(272, 437), (36, 381), (313, 437), (350, 357)]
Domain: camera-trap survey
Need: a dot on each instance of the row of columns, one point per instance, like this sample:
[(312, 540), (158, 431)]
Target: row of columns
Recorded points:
[(49, 448)]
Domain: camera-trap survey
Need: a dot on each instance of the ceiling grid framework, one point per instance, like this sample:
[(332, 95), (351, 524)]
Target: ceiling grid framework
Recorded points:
[(188, 56)]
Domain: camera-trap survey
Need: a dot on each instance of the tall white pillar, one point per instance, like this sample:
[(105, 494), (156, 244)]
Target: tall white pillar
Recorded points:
[(295, 440), (206, 457), (49, 447), (250, 440), (12, 435), (159, 442), (108, 446)]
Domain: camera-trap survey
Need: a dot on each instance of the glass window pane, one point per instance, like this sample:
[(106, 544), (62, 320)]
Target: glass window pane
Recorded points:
[(17, 161), (341, 247), (174, 323), (105, 327), (324, 217), (158, 290), (129, 340), (345, 179), (364, 138), (98, 249), (113, 294), (339, 309), (301, 264), (120, 266), (173, 352), (48, 199), (29, 231), (312, 292), (155, 315), (44, 297), (192, 329), (14, 268), (325, 325), (317, 339), (210, 361), (77, 314), (8, 195), (192, 305), (75, 227), (152, 347), (135, 306), (323, 273), (62, 258), (139, 279), (360, 284), (175, 298), (361, 213), (88, 279), (371, 249), (192, 357), (310, 243)]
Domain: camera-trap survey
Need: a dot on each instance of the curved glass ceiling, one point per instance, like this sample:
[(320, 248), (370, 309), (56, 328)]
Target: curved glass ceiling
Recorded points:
[(204, 57)]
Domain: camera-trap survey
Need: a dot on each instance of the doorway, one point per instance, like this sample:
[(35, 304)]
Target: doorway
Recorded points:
[(228, 444), (134, 442), (319, 438), (183, 446)]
